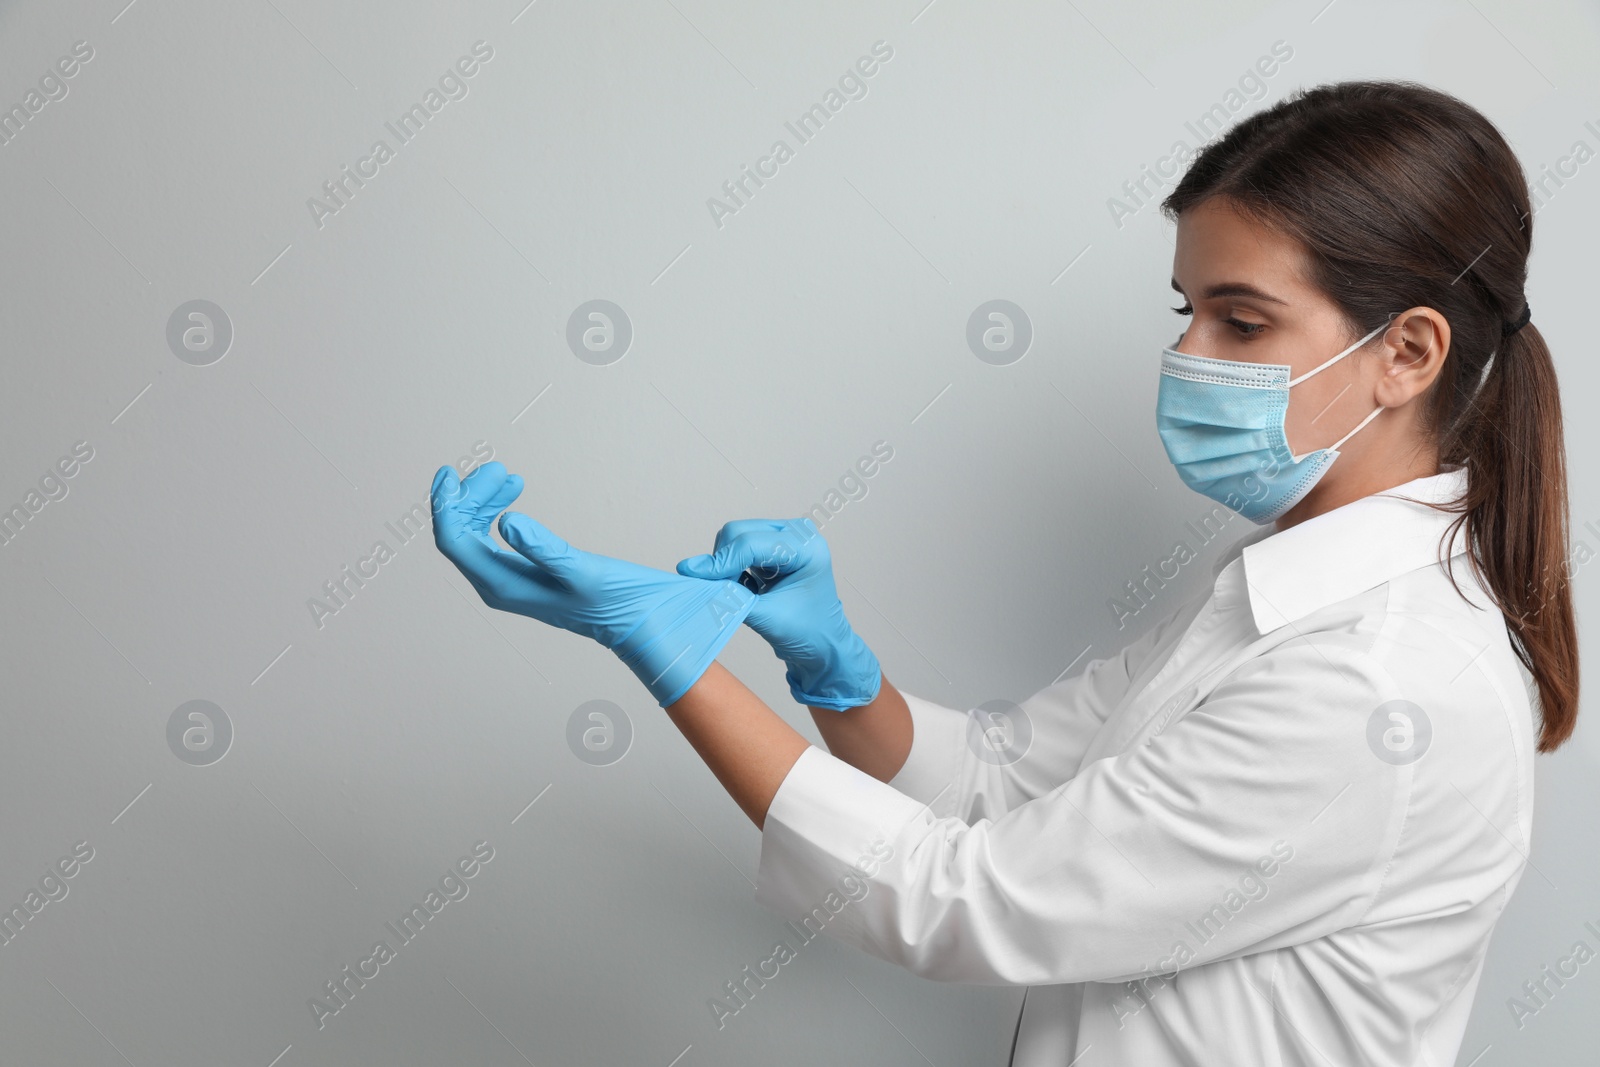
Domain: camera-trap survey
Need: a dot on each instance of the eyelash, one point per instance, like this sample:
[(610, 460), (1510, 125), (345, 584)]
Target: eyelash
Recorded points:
[(1248, 329)]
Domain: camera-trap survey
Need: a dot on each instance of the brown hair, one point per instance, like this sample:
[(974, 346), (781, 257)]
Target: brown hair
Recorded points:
[(1402, 194)]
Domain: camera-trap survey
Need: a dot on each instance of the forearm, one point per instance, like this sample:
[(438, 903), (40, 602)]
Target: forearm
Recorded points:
[(750, 748), (875, 737), (747, 745)]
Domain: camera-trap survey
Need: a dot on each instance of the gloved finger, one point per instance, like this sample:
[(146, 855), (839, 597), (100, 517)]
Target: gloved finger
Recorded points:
[(728, 560), (771, 547), (536, 543), (741, 527), (483, 495), (796, 546), (473, 553), (449, 518), (507, 491), (483, 483), (463, 497), (446, 488), (698, 566), (731, 531)]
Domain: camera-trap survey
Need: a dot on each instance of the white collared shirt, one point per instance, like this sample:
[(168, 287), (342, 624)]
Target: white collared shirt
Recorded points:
[(1277, 829)]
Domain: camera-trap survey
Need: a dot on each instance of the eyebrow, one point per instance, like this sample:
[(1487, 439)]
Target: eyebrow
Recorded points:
[(1234, 289)]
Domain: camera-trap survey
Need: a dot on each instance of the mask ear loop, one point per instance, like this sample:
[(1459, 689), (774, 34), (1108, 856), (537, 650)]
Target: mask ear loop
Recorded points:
[(1324, 366), (1334, 448), (1374, 413)]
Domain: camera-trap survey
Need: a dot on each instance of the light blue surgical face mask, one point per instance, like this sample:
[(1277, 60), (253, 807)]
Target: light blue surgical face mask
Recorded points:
[(1221, 422)]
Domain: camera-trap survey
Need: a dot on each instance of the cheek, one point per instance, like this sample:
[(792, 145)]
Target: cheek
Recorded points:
[(1315, 411)]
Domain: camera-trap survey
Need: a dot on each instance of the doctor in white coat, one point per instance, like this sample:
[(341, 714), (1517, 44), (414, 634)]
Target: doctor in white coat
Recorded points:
[(1280, 826)]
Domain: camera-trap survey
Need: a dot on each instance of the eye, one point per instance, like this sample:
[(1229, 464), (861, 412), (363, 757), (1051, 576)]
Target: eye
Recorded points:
[(1248, 329)]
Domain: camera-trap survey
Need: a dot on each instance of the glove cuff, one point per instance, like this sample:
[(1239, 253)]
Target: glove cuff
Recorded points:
[(676, 643), (848, 676)]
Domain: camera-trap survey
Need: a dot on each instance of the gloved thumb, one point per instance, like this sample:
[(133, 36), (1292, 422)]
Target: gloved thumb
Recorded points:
[(729, 561), (534, 542)]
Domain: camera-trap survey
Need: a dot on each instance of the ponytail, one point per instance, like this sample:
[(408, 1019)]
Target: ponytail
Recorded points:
[(1509, 436)]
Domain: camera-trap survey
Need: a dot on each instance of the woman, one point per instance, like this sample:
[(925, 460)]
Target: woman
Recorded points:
[(1278, 828)]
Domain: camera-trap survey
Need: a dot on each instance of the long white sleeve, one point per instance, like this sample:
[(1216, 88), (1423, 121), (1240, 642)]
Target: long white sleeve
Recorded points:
[(945, 769), (1099, 879)]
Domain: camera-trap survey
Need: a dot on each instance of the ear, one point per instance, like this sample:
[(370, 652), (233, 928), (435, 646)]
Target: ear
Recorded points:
[(1414, 350)]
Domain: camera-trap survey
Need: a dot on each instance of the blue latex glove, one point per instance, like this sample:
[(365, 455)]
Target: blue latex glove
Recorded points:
[(798, 609), (666, 628)]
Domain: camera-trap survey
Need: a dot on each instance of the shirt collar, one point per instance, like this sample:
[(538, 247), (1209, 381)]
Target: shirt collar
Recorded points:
[(1333, 556)]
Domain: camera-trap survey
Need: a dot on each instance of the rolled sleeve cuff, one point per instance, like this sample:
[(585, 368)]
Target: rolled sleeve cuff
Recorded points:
[(829, 825)]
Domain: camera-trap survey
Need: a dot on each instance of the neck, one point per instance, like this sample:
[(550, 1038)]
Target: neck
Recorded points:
[(1356, 480)]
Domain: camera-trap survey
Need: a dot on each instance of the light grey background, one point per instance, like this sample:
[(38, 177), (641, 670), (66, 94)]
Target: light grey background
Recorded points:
[(769, 354)]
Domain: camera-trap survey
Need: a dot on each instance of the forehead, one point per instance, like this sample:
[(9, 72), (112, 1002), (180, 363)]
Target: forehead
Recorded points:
[(1215, 242)]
